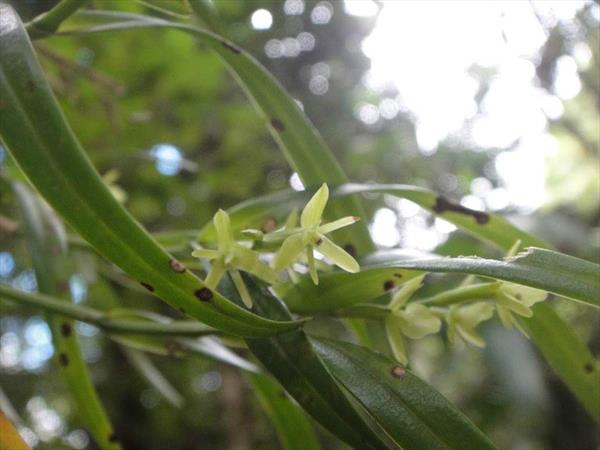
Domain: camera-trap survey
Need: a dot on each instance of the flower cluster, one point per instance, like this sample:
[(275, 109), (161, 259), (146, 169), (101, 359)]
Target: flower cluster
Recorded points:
[(297, 243)]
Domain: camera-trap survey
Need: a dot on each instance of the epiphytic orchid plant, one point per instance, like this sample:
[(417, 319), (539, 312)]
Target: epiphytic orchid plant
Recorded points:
[(364, 393)]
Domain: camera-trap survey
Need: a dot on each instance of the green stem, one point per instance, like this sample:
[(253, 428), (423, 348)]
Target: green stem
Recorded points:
[(48, 22), (463, 294), (89, 315), (365, 311)]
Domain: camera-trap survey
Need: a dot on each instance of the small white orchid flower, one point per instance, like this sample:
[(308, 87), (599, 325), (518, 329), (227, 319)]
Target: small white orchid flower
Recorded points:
[(311, 235), (231, 256), (415, 321), (463, 320)]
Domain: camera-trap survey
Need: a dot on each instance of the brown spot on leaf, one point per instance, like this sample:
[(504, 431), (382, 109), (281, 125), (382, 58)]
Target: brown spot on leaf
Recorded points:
[(350, 249), (269, 224), (398, 372), (63, 359), (318, 242), (62, 286), (388, 284), (588, 367), (398, 275), (65, 329), (231, 47), (147, 286), (277, 124), (172, 347), (204, 294), (442, 205), (176, 266)]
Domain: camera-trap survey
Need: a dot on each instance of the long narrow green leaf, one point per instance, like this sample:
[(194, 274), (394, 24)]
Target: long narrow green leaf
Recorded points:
[(153, 376), (487, 226), (293, 362), (293, 428), (37, 135), (181, 328), (567, 355), (414, 414), (547, 270), (46, 243)]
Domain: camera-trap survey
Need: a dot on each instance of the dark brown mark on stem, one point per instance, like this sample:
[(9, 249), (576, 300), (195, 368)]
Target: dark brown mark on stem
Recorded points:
[(442, 205), (398, 372), (204, 294), (65, 329), (63, 359), (318, 242), (147, 286), (277, 124), (231, 47), (388, 284), (176, 266)]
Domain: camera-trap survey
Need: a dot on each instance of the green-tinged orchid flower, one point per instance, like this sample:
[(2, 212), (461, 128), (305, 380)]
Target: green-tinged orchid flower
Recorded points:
[(516, 299), (311, 235), (231, 256), (415, 321), (463, 320)]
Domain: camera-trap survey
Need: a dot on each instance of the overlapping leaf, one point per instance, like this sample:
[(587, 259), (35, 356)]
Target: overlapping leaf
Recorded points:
[(36, 133)]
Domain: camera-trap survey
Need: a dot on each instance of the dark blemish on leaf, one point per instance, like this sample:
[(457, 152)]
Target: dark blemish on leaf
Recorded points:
[(398, 372), (176, 266), (147, 286), (350, 249), (172, 347), (204, 294), (398, 275), (388, 284), (589, 367), (269, 224), (442, 205), (65, 329), (62, 286), (112, 437), (182, 310), (231, 47), (277, 124), (318, 242), (63, 359)]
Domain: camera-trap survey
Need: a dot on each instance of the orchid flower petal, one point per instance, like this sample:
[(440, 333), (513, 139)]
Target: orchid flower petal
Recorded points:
[(396, 340), (222, 225), (337, 224), (289, 252), (241, 287), (417, 321), (312, 212), (337, 254), (217, 269), (206, 253), (405, 293), (312, 267)]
